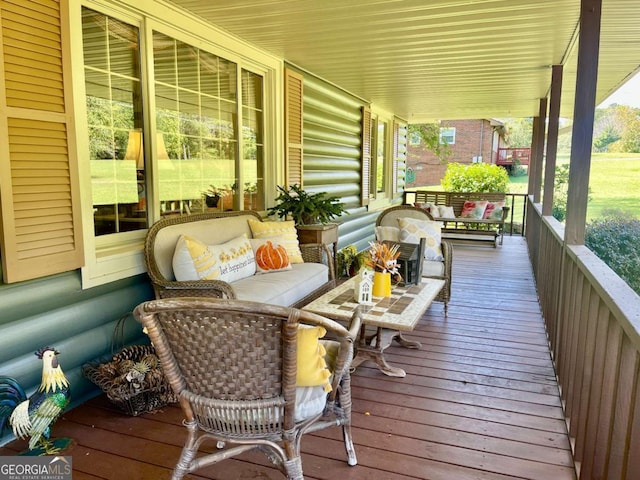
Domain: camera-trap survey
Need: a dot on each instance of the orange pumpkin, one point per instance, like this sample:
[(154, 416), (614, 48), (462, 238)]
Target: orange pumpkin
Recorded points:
[(271, 257)]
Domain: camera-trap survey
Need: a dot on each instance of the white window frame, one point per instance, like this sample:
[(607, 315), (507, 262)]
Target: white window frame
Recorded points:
[(118, 256), (415, 139), (381, 199), (448, 132)]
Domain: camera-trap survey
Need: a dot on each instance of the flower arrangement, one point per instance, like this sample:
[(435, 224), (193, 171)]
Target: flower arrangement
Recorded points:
[(383, 258)]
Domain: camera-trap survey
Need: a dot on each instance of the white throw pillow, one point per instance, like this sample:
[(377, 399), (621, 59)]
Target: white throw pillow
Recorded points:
[(230, 261), (446, 212), (412, 230)]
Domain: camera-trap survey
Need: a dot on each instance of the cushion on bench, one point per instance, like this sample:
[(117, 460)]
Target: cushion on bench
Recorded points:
[(284, 287)]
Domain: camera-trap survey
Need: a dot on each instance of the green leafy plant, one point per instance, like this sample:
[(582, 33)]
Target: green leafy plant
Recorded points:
[(306, 208), (476, 177), (615, 239), (350, 260)]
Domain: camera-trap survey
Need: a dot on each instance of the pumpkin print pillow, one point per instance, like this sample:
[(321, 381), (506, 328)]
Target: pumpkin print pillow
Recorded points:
[(270, 254)]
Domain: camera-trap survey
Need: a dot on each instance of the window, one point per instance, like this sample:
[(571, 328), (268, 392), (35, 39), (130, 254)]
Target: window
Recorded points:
[(113, 93), (381, 156), (448, 135), (178, 130), (415, 138), (209, 139)]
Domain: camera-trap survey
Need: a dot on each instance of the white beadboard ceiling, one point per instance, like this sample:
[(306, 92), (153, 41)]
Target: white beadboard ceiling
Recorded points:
[(436, 59)]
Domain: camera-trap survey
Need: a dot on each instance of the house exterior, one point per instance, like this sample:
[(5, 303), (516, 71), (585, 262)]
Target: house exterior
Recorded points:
[(469, 141), (116, 114)]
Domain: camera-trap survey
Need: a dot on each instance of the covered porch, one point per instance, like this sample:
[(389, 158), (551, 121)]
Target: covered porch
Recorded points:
[(480, 399)]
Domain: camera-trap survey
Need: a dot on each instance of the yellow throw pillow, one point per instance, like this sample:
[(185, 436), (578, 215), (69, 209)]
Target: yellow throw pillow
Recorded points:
[(312, 367), (287, 229)]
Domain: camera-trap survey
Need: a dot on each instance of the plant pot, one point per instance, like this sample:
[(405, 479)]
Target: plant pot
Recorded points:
[(212, 201), (381, 284)]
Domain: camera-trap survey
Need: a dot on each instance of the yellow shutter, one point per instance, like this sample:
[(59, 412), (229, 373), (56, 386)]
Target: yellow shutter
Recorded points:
[(365, 173), (293, 126), (38, 181)]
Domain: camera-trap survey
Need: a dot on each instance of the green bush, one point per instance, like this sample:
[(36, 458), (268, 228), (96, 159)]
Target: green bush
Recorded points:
[(476, 177), (615, 239)]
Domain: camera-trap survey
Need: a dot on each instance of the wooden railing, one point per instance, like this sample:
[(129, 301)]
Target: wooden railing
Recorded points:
[(513, 156), (593, 321)]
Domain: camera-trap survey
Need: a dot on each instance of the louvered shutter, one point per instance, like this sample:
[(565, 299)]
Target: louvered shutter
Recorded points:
[(41, 233), (399, 155), (293, 127), (394, 165), (366, 156)]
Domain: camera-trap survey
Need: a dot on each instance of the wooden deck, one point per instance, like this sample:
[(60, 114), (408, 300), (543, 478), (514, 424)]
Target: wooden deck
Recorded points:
[(479, 401)]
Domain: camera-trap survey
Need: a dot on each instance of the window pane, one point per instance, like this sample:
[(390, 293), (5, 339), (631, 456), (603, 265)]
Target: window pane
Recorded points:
[(199, 130), (252, 141), (114, 117)]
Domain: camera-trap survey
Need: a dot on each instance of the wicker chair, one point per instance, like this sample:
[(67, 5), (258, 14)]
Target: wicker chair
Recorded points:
[(389, 218), (233, 366)]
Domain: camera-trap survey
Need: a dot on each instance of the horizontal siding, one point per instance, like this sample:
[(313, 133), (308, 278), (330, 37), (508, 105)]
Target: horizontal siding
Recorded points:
[(332, 122), (55, 311)]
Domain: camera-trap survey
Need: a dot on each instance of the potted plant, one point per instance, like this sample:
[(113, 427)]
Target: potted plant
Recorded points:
[(212, 195), (306, 208), (350, 261)]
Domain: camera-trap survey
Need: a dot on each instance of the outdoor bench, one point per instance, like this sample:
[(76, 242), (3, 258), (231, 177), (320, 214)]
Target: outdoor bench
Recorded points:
[(487, 227)]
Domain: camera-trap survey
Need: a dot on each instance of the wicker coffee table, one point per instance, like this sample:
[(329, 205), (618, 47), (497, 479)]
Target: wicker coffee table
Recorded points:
[(390, 316)]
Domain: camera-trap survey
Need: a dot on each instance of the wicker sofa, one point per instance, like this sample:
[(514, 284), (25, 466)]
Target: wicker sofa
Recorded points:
[(295, 287)]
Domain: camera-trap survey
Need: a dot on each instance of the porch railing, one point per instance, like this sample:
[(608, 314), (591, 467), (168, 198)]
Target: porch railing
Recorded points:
[(513, 156), (593, 323)]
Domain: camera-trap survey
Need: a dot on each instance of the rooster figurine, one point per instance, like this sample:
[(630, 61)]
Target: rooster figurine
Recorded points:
[(33, 417)]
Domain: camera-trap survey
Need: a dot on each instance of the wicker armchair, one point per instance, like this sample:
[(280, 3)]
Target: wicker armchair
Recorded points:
[(389, 218), (233, 365)]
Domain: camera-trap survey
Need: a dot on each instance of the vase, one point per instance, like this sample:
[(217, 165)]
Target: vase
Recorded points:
[(381, 284)]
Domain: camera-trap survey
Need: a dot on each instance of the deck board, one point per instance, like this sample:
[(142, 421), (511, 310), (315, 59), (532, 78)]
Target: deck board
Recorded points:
[(479, 402)]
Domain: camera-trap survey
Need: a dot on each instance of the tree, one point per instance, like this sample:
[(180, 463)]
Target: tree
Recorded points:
[(430, 135), (520, 131)]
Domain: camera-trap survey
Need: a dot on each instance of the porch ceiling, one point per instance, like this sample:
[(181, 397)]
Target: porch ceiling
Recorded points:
[(436, 59)]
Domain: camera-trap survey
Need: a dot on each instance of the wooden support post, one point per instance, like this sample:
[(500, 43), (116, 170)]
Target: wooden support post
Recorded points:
[(552, 140), (537, 151), (583, 116)]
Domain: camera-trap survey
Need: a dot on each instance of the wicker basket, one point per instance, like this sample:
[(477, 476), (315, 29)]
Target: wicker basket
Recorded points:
[(132, 388)]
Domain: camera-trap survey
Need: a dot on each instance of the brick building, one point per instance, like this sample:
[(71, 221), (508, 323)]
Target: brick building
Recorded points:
[(469, 141)]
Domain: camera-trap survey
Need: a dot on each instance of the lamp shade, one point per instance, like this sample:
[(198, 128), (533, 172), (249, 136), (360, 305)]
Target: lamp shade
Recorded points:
[(135, 148)]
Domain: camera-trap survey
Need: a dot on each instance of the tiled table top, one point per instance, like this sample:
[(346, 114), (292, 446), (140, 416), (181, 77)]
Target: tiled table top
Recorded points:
[(401, 311)]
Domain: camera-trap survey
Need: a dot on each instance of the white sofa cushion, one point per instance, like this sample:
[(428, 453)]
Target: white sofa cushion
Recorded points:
[(432, 268), (285, 287)]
